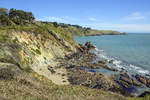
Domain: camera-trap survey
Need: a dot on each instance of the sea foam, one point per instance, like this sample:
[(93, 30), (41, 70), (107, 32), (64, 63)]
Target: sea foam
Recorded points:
[(120, 65)]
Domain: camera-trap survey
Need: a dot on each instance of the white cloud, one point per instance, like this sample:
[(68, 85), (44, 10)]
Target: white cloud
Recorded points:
[(53, 19), (64, 19), (135, 16), (92, 19)]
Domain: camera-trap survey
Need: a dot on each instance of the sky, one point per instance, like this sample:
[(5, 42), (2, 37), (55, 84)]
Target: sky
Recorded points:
[(122, 15)]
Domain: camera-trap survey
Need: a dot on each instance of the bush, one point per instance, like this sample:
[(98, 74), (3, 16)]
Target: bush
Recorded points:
[(20, 17), (13, 16)]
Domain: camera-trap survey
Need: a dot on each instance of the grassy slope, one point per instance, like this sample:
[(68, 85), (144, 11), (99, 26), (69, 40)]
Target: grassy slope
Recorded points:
[(81, 31), (31, 86), (103, 32)]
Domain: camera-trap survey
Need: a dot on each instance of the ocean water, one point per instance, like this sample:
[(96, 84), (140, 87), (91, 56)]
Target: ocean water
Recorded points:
[(130, 53)]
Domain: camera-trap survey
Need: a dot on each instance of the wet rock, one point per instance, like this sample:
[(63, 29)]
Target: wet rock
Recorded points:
[(95, 80), (111, 61), (102, 61), (126, 81), (143, 80), (89, 79), (108, 68), (89, 45), (136, 83), (101, 64), (86, 48)]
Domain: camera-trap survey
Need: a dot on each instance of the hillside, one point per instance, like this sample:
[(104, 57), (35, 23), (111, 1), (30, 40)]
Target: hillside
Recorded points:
[(26, 53), (77, 30), (40, 61), (20, 17)]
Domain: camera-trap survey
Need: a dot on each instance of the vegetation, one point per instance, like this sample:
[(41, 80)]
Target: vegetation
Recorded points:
[(17, 17), (31, 86), (20, 17), (77, 30)]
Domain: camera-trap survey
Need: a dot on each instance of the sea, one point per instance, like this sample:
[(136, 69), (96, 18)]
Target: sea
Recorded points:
[(130, 53)]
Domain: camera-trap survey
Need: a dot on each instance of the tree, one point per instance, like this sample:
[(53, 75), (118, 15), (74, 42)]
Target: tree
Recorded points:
[(3, 16), (55, 24), (21, 17)]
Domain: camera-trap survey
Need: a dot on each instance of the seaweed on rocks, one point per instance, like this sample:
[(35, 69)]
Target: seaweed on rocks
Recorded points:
[(77, 63)]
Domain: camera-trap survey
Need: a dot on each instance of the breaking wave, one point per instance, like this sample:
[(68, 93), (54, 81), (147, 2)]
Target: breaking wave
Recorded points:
[(120, 65)]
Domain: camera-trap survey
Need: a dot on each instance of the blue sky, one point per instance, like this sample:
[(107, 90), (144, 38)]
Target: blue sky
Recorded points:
[(121, 15)]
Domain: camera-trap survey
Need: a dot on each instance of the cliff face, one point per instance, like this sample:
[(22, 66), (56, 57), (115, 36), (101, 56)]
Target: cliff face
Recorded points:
[(33, 50)]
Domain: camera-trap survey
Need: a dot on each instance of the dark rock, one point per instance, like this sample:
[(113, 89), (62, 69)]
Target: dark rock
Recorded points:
[(102, 61), (51, 69), (89, 45), (89, 79), (111, 61), (58, 38), (108, 68), (144, 94), (123, 33), (63, 75), (8, 71), (136, 83), (120, 90), (64, 80), (126, 81), (143, 80), (86, 48)]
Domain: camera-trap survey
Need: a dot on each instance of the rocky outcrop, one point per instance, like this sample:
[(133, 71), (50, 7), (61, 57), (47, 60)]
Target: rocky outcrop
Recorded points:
[(9, 53), (86, 48), (61, 40), (88, 79), (143, 80), (102, 61), (37, 51), (9, 71), (126, 81)]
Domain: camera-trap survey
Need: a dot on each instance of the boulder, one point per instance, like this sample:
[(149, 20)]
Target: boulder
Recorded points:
[(102, 61), (126, 81), (8, 71), (111, 61), (9, 53), (143, 80), (89, 45)]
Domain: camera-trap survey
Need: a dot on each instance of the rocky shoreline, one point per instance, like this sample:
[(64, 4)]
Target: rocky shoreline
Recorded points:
[(121, 82)]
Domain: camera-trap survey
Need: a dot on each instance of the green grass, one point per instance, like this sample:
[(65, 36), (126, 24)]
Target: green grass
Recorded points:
[(29, 87)]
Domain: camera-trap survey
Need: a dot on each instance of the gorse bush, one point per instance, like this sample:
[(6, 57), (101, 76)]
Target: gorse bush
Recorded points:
[(13, 16), (20, 17)]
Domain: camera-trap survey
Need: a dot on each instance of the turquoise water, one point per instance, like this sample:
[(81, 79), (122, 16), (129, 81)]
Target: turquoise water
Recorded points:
[(130, 52)]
